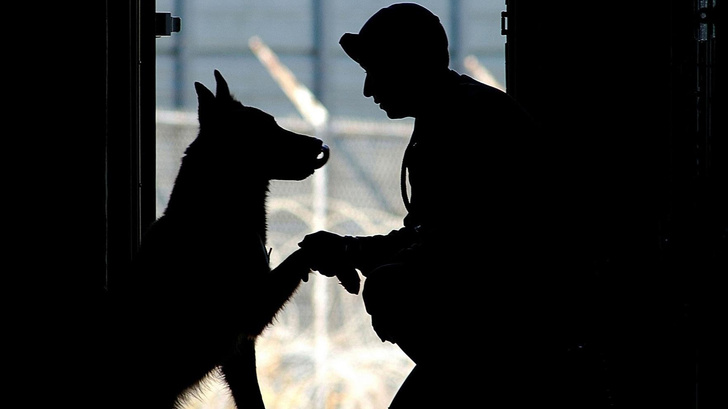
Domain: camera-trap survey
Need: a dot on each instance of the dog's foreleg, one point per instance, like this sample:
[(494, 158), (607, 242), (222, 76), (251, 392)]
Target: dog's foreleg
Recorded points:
[(239, 370), (275, 289), (241, 376)]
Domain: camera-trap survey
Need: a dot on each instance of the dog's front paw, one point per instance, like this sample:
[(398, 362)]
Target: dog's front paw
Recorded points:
[(296, 264)]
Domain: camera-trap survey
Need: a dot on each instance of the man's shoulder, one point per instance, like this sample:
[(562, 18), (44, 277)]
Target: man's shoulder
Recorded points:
[(470, 91), (471, 106)]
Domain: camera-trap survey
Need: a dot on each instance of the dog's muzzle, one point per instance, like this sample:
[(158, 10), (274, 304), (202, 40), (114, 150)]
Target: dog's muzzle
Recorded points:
[(322, 157)]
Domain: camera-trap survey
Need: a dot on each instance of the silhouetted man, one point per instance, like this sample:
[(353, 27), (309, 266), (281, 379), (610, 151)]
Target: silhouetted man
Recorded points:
[(454, 288)]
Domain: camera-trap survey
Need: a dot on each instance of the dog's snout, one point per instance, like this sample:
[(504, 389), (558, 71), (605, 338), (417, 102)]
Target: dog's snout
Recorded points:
[(299, 156)]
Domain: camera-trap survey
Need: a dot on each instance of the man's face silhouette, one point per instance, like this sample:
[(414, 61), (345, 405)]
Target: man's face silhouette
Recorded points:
[(394, 89)]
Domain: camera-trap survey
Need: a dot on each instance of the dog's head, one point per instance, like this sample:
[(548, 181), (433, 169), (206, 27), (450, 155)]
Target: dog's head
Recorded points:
[(235, 132)]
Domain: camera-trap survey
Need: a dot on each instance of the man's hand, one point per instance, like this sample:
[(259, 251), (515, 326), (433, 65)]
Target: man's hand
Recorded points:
[(327, 254)]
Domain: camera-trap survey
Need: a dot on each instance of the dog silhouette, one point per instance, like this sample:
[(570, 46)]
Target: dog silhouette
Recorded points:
[(201, 289)]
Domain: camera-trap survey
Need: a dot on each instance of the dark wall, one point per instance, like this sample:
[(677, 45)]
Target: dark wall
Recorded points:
[(630, 101)]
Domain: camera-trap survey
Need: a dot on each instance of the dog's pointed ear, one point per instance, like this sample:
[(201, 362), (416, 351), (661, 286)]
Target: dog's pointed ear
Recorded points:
[(205, 102), (223, 91), (204, 95)]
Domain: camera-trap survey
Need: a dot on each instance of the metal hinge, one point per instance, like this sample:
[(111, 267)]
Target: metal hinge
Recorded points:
[(504, 23), (706, 20), (165, 24)]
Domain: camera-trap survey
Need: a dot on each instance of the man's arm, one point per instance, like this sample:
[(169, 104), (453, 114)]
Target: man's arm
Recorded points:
[(335, 255)]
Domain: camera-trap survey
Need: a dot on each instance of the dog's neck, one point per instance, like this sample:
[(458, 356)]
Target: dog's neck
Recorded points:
[(206, 202)]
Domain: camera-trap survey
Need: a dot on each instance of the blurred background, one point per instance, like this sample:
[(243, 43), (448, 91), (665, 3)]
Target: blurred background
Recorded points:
[(321, 352)]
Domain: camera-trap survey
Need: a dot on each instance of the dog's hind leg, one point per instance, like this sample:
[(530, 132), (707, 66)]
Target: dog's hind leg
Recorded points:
[(241, 376)]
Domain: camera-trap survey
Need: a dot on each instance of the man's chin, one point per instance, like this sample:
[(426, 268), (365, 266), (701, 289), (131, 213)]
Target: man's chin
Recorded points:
[(394, 114)]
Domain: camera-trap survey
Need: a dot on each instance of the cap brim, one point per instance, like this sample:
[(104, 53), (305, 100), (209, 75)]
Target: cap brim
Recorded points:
[(353, 46)]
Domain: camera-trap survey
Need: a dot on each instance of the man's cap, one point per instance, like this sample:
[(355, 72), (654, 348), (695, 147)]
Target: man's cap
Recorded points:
[(400, 32)]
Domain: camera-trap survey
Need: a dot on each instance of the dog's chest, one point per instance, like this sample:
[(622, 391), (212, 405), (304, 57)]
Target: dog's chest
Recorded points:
[(265, 252)]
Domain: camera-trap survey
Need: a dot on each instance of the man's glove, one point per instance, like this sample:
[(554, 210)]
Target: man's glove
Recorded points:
[(331, 255)]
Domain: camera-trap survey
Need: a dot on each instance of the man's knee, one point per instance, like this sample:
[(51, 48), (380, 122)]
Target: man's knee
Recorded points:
[(386, 288)]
